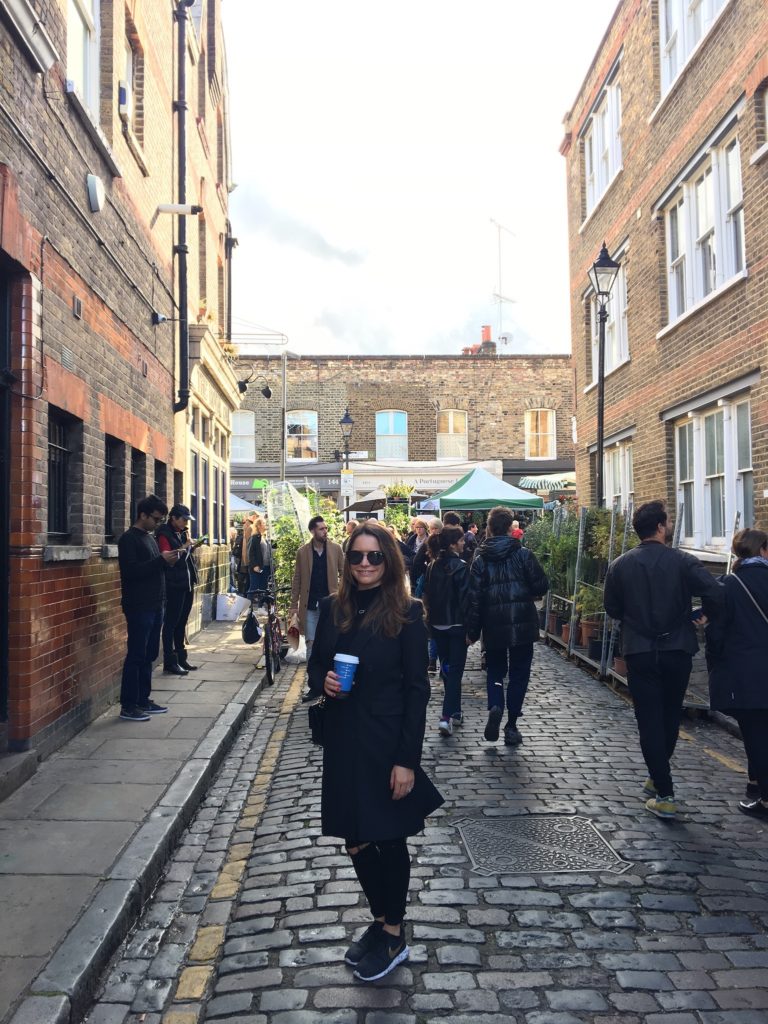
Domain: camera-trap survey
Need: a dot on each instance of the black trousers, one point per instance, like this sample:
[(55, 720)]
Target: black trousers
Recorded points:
[(657, 681), (383, 870), (178, 605), (754, 731)]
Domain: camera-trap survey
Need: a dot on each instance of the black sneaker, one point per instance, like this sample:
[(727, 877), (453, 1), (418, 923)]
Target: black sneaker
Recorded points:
[(512, 737), (150, 708), (752, 791), (174, 670), (364, 944), (754, 808), (492, 725), (133, 715), (432, 666), (387, 953), (187, 667)]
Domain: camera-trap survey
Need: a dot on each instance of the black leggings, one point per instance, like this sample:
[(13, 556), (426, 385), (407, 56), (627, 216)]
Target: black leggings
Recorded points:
[(383, 869), (754, 732)]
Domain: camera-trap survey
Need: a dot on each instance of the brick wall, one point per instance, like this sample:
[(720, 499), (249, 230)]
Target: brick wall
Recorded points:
[(493, 390), (107, 366), (726, 336)]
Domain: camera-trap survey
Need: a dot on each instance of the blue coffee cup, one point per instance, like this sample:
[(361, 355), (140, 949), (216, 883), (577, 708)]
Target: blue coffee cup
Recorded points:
[(345, 666)]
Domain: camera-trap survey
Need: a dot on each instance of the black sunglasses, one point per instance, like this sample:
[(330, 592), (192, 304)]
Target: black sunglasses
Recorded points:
[(374, 557)]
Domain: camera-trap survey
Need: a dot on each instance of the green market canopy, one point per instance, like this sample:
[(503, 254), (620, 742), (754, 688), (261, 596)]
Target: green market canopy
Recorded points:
[(481, 490)]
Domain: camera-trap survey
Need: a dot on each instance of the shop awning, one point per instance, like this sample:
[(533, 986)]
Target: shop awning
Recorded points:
[(549, 482)]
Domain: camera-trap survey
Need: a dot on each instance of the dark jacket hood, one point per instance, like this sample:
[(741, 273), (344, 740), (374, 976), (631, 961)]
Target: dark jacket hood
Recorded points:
[(449, 564), (496, 549)]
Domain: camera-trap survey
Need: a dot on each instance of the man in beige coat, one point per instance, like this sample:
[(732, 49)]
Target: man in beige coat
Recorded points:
[(319, 564)]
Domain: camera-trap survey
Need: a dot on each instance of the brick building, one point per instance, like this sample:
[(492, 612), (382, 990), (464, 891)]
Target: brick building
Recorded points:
[(421, 420), (666, 149), (88, 382)]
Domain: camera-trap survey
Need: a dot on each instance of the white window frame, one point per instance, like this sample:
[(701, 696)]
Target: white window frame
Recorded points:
[(735, 475), (382, 437), (453, 444), (710, 252), (683, 26), (304, 434), (86, 79), (618, 474), (616, 331), (602, 144), (549, 433), (243, 440)]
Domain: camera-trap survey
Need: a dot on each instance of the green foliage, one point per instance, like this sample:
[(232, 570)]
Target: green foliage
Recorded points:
[(399, 517), (288, 540), (398, 490), (328, 509), (589, 601)]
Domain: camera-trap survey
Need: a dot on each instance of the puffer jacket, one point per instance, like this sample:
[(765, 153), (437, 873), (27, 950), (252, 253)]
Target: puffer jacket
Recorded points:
[(445, 591), (505, 580)]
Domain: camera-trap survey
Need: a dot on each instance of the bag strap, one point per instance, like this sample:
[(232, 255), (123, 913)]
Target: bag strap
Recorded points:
[(751, 598)]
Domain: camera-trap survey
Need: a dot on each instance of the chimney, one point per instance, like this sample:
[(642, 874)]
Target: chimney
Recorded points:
[(487, 347)]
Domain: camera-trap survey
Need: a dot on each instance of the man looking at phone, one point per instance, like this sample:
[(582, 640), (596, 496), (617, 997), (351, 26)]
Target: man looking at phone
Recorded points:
[(649, 590), (180, 583), (142, 585)]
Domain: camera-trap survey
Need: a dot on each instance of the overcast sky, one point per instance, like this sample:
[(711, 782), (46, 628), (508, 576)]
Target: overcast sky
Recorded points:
[(373, 144)]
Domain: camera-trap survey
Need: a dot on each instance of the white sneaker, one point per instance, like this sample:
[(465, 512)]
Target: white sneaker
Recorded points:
[(445, 727)]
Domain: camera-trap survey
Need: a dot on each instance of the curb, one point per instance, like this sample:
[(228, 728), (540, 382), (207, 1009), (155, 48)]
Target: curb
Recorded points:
[(64, 989)]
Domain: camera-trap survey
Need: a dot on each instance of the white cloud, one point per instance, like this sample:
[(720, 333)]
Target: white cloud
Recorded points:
[(373, 145)]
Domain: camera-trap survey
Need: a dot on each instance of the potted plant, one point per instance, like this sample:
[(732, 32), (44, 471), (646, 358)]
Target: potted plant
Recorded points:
[(589, 605)]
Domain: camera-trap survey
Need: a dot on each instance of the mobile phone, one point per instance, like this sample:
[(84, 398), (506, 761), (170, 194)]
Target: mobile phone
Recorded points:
[(696, 614)]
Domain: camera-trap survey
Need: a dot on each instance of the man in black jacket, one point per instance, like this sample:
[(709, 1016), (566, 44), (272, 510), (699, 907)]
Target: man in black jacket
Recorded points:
[(142, 584), (180, 582), (505, 580), (649, 590)]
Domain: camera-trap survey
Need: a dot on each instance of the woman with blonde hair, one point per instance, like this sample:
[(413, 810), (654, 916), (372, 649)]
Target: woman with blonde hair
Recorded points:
[(737, 656), (374, 792)]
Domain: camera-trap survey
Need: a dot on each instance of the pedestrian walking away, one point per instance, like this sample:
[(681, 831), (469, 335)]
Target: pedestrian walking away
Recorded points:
[(737, 658), (142, 598), (649, 590), (374, 791), (504, 582), (180, 580), (316, 575), (445, 600)]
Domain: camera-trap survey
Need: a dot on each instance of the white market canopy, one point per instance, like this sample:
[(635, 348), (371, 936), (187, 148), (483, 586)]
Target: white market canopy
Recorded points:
[(240, 505), (481, 490), (549, 481)]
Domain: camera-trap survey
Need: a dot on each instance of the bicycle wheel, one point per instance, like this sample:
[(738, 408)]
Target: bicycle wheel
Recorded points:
[(277, 646), (268, 662)]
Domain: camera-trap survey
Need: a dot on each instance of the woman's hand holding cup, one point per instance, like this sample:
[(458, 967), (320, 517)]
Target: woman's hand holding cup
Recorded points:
[(331, 684)]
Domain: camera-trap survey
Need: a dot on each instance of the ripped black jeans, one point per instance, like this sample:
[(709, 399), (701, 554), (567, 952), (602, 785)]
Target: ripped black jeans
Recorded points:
[(383, 870)]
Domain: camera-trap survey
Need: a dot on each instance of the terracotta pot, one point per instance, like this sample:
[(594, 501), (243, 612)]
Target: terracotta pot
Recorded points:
[(551, 623), (589, 630), (620, 666), (565, 632)]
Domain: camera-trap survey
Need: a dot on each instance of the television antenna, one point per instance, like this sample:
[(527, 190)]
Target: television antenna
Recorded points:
[(499, 295)]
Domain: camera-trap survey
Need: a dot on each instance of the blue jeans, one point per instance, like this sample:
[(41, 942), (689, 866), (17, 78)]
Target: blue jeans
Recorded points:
[(144, 629), (517, 661), (452, 651), (432, 649), (313, 615), (257, 580)]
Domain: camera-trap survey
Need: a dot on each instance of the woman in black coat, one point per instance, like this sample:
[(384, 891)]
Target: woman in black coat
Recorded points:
[(374, 792), (737, 656)]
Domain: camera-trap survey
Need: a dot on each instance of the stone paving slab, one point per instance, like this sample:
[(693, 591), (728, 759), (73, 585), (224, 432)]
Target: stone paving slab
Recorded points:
[(263, 906), (83, 841)]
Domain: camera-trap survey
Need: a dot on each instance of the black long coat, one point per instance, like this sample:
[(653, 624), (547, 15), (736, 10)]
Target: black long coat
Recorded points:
[(737, 644), (380, 725)]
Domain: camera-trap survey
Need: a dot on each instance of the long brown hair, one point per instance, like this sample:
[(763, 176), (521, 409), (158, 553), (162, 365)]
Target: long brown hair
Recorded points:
[(747, 544), (389, 613)]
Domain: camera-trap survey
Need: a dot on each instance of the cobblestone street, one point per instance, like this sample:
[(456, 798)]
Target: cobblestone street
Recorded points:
[(255, 910)]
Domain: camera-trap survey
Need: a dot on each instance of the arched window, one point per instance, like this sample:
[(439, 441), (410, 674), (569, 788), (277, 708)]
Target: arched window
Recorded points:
[(301, 435), (392, 434), (540, 442), (452, 434)]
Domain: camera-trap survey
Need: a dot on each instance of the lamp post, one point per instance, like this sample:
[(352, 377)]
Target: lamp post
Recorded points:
[(346, 423), (602, 276)]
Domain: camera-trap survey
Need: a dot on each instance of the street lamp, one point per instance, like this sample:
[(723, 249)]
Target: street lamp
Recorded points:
[(346, 423), (602, 276)]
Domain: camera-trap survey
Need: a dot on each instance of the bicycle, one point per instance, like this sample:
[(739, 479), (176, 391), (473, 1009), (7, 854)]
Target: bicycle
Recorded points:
[(275, 645)]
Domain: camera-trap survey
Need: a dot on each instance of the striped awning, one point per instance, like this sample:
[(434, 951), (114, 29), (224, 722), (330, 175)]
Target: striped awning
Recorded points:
[(552, 482)]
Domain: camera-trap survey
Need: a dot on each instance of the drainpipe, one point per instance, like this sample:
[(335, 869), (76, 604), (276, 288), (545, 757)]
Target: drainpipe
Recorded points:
[(181, 249), (229, 245)]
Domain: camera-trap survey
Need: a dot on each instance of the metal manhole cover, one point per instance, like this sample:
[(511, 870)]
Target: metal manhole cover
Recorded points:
[(523, 844)]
